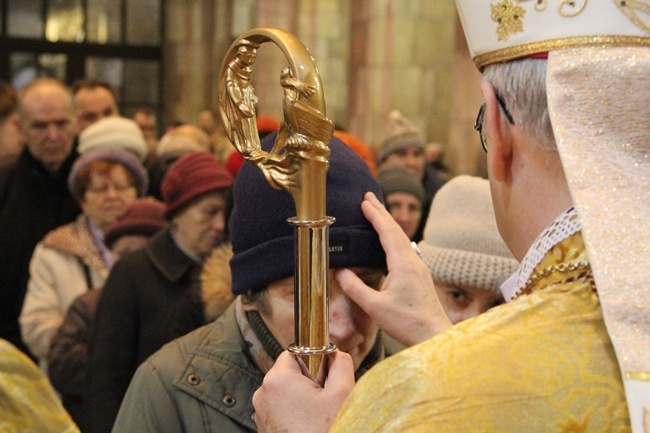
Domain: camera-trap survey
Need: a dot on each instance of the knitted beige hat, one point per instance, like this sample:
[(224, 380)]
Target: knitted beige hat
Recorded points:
[(114, 131), (461, 244), (399, 133)]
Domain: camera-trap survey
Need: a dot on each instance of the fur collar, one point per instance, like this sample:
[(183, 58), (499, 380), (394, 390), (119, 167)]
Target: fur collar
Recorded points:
[(76, 240), (216, 282)]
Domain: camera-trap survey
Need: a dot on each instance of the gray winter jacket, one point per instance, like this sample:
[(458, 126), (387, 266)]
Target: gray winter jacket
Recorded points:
[(202, 382)]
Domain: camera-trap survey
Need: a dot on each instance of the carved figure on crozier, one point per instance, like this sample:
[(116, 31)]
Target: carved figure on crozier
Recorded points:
[(238, 101)]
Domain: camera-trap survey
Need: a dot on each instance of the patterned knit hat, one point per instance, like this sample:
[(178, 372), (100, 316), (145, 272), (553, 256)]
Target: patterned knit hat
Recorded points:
[(263, 240), (114, 131), (398, 179), (191, 176), (399, 134), (145, 216), (462, 245)]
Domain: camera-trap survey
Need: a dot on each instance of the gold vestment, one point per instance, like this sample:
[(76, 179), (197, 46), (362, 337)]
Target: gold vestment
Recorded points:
[(540, 363), (28, 402)]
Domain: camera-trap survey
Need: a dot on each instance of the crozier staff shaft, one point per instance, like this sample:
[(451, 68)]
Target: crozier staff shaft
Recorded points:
[(298, 164)]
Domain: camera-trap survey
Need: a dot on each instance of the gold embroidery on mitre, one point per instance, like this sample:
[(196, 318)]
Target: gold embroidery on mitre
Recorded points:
[(646, 420), (569, 8), (629, 8), (540, 5), (509, 17), (524, 50), (638, 375)]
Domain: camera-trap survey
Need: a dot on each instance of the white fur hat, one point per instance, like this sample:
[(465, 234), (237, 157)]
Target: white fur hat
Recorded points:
[(114, 131), (461, 244)]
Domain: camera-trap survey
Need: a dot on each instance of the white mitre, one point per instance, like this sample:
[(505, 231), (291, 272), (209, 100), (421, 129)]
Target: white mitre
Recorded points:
[(499, 31), (598, 94)]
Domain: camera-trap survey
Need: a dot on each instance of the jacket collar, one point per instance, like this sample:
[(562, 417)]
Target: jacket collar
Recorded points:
[(36, 169), (165, 255), (220, 372)]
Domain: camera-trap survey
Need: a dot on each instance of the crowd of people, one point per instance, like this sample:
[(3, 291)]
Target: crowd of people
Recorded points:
[(146, 283)]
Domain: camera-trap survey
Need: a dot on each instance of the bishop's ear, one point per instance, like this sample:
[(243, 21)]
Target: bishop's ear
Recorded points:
[(497, 134)]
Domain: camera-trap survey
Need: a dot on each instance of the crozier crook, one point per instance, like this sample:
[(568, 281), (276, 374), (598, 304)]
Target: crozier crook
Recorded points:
[(298, 164)]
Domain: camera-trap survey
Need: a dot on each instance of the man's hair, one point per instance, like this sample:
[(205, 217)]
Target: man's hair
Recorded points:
[(90, 84), (522, 86), (41, 82)]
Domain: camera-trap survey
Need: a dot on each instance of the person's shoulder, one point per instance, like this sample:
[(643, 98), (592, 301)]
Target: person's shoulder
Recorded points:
[(131, 261), (178, 351), (492, 329), (171, 360), (219, 342)]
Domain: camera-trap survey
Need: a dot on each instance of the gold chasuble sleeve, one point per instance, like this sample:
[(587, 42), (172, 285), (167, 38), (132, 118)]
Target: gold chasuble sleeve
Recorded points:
[(541, 363), (28, 403)]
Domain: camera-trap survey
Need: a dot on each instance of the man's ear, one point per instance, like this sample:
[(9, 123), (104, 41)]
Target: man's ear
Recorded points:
[(499, 141), (250, 306)]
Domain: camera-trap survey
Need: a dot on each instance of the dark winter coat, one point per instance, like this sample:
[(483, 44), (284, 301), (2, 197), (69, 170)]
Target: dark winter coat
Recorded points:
[(32, 203), (69, 353), (150, 298)]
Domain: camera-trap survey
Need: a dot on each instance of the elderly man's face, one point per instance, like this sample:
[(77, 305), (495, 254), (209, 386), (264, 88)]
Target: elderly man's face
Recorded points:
[(93, 105), (47, 125), (352, 330), (412, 158)]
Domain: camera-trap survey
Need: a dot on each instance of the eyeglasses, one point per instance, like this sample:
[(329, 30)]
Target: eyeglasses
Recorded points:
[(478, 125), (103, 188)]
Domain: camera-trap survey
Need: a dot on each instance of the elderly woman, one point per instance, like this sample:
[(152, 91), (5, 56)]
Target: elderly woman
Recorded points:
[(155, 294), (73, 259), (68, 355), (463, 249)]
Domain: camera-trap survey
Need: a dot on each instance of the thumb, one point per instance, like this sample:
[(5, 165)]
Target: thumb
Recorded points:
[(287, 363), (341, 373)]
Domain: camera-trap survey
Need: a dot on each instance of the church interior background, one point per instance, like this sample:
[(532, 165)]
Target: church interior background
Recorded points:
[(373, 56)]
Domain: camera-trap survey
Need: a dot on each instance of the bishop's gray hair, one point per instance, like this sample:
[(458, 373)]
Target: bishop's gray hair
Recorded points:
[(522, 86)]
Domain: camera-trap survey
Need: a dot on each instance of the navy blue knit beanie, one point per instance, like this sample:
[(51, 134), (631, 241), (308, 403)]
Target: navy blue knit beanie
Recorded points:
[(262, 240)]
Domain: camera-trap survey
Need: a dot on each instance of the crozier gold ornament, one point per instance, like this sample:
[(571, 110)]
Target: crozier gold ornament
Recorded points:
[(298, 164)]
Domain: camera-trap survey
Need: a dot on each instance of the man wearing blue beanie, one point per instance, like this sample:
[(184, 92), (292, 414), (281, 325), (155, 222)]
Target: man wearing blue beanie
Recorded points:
[(205, 380)]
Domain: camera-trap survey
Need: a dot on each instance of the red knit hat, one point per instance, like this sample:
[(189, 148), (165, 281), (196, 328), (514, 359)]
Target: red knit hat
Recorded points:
[(144, 216), (191, 176)]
